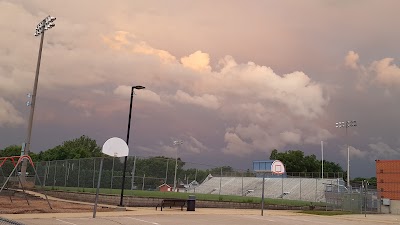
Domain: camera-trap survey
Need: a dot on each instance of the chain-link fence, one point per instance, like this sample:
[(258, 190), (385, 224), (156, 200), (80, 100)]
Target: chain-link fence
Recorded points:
[(360, 197), (150, 173)]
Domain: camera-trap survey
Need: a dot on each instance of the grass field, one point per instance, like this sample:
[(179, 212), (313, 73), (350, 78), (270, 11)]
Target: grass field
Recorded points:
[(180, 195)]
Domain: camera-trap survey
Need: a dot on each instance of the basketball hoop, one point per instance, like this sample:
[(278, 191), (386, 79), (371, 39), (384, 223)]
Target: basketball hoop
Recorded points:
[(277, 167)]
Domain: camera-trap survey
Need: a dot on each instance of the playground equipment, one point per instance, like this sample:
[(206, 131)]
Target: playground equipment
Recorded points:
[(16, 161)]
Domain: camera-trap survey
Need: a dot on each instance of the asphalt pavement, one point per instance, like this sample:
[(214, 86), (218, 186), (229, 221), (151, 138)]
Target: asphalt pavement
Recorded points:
[(202, 216)]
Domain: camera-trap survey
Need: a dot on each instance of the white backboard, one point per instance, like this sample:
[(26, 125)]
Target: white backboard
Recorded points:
[(277, 167), (115, 147)]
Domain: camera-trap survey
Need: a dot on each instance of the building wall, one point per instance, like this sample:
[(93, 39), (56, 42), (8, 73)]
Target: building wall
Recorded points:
[(393, 208), (388, 178), (388, 184), (165, 188)]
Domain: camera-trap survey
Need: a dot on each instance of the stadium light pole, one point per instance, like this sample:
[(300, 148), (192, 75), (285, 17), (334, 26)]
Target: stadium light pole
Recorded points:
[(121, 201), (347, 124), (176, 143), (46, 24)]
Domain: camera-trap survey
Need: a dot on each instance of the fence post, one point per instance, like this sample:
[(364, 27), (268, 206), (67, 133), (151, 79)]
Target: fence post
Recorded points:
[(65, 172), (144, 175), (94, 170), (133, 173), (220, 183), (112, 174), (45, 174), (166, 173), (195, 178), (361, 196), (316, 188), (242, 183), (366, 197), (300, 188), (37, 174), (351, 197), (55, 171), (79, 170)]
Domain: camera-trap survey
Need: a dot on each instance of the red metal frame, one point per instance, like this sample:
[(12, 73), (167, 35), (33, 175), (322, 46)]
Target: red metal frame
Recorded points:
[(18, 158)]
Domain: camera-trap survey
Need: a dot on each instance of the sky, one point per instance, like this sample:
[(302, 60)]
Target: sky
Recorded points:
[(232, 79)]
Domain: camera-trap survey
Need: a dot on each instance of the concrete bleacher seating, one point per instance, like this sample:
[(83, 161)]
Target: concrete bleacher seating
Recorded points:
[(306, 189)]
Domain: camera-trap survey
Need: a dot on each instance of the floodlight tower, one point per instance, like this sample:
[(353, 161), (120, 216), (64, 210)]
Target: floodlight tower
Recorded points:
[(46, 24), (176, 143), (347, 124)]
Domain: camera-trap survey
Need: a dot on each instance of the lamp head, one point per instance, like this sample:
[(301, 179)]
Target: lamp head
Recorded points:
[(139, 87), (178, 142)]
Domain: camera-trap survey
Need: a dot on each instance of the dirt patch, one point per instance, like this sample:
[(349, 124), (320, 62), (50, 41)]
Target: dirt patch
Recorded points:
[(37, 205)]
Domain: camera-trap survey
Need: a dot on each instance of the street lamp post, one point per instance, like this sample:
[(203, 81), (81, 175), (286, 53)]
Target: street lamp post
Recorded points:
[(127, 142), (44, 25), (176, 143), (347, 124)]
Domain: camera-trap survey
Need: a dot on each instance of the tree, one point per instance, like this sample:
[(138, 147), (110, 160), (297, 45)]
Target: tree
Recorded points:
[(371, 180), (223, 169), (12, 150), (295, 161), (196, 174), (15, 150), (82, 147), (292, 159)]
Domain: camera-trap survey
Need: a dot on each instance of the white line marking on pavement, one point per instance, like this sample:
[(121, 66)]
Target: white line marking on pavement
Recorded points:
[(259, 218), (66, 222), (305, 220), (143, 221)]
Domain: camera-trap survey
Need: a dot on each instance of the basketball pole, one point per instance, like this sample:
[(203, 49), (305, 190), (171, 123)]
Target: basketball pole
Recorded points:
[(262, 196), (97, 189)]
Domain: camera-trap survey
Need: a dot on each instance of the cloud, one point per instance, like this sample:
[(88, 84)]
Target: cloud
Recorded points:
[(144, 48), (352, 60), (125, 41), (382, 72), (236, 146), (118, 40), (386, 72), (296, 91), (243, 140), (9, 116), (381, 150), (197, 61), (321, 134), (374, 151), (194, 146), (291, 137), (354, 152), (145, 95), (85, 106), (262, 109), (205, 100)]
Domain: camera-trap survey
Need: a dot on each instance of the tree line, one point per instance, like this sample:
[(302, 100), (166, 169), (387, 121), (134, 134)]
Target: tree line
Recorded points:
[(158, 167)]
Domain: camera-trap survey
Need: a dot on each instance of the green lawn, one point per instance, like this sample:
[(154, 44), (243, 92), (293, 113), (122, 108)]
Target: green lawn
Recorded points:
[(180, 195)]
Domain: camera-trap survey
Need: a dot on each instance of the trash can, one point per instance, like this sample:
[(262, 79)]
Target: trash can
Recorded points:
[(191, 203)]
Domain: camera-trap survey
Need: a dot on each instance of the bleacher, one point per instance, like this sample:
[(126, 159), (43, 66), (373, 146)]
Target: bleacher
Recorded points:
[(306, 189)]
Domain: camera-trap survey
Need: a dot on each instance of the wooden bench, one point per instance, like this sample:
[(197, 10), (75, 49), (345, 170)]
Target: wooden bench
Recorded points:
[(172, 202)]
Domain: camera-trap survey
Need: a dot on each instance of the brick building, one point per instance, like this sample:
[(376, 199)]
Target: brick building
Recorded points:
[(388, 185)]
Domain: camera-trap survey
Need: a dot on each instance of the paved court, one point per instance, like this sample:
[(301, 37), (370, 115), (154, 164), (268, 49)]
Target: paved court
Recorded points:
[(205, 220), (201, 217)]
